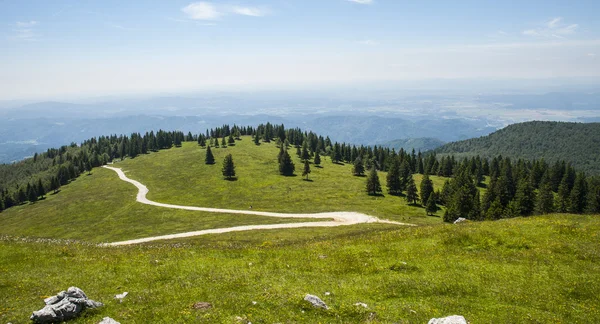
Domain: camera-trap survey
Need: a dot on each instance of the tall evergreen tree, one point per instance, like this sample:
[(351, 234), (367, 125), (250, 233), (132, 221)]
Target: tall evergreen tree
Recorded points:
[(393, 182), (286, 165), (305, 155), (411, 191), (223, 142), (41, 190), (373, 185), (405, 175), (306, 170), (317, 158), (210, 158), (426, 189), (563, 199), (578, 195), (431, 207), (257, 138), (525, 197), (228, 167), (461, 200), (31, 193), (495, 211), (545, 202), (358, 169), (216, 142)]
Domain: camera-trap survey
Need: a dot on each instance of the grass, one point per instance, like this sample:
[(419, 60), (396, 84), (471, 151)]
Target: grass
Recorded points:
[(179, 176), (102, 208), (523, 270)]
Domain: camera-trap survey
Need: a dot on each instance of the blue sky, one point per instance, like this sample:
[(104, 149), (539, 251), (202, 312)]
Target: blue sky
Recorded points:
[(56, 48)]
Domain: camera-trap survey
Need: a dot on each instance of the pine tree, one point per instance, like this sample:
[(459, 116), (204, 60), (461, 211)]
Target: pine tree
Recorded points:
[(578, 195), (358, 169), (223, 142), (216, 142), (431, 207), (411, 191), (545, 203), (460, 198), (373, 185), (305, 155), (563, 198), (306, 169), (299, 152), (495, 211), (317, 159), (426, 189), (392, 179), (228, 167), (286, 165), (31, 193), (2, 203), (210, 158), (525, 197), (231, 140), (405, 175), (41, 190), (257, 138)]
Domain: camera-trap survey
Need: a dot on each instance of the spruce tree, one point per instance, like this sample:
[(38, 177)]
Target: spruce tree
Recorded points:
[(405, 175), (431, 207), (305, 155), (495, 211), (426, 189), (2, 203), (392, 179), (216, 142), (358, 169), (306, 170), (411, 191), (231, 140), (228, 167), (31, 193), (317, 159), (545, 202), (210, 158), (256, 138), (40, 188), (223, 142), (525, 197), (286, 165), (563, 198), (373, 185), (578, 195)]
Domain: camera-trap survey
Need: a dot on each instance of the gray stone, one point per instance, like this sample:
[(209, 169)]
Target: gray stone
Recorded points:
[(454, 319), (64, 306), (108, 320), (315, 301), (460, 220)]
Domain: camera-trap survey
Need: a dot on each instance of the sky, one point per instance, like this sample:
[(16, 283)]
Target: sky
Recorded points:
[(105, 47)]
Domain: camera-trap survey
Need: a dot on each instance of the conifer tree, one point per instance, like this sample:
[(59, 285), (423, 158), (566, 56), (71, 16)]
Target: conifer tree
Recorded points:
[(231, 140), (299, 152), (461, 194), (525, 197), (286, 165), (41, 190), (306, 170), (257, 138), (392, 179), (426, 189), (358, 169), (405, 174), (373, 185), (411, 191), (545, 203), (495, 211), (223, 142), (228, 167), (2, 203), (210, 158), (305, 155), (317, 159), (563, 198), (31, 193), (578, 195), (216, 142), (431, 207)]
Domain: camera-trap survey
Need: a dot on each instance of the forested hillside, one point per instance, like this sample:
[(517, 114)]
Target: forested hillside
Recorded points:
[(418, 144), (576, 143)]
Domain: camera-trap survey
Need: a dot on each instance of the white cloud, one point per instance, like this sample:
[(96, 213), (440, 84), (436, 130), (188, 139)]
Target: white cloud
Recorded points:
[(26, 24), (249, 11), (25, 30), (362, 1), (553, 28), (201, 11)]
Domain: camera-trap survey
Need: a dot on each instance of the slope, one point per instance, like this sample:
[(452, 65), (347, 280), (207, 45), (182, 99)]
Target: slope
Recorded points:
[(573, 142)]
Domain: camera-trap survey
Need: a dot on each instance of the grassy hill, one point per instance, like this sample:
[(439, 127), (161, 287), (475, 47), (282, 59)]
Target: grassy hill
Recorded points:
[(573, 142), (523, 270)]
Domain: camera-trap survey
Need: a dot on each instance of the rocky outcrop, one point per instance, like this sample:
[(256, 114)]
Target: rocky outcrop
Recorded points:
[(108, 320), (454, 319), (315, 301), (64, 306)]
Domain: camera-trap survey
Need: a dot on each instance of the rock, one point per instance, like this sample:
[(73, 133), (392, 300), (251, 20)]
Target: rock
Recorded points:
[(315, 301), (121, 296), (202, 305), (108, 320), (327, 293), (460, 220), (454, 319), (361, 304), (64, 306)]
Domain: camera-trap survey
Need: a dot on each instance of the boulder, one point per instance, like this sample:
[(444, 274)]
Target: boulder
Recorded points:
[(64, 306), (454, 319), (108, 320), (460, 220), (315, 301)]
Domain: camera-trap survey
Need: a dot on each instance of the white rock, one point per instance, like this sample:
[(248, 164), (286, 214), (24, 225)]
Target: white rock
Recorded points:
[(327, 293), (460, 220), (121, 296), (315, 301), (108, 320), (454, 319), (361, 304), (254, 303)]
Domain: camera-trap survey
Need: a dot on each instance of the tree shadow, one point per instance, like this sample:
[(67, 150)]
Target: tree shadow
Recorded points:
[(338, 163), (319, 166), (360, 175), (232, 179), (482, 185), (289, 175), (377, 195), (308, 180)]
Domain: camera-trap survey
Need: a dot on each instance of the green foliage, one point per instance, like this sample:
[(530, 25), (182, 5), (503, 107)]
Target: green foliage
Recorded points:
[(461, 195), (358, 169), (426, 189), (286, 165), (545, 203), (373, 185), (228, 167), (209, 157), (317, 160), (431, 206), (393, 183), (306, 170), (411, 191), (574, 142)]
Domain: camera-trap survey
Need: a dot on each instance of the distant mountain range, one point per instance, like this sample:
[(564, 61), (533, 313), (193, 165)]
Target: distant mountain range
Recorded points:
[(577, 143), (422, 144)]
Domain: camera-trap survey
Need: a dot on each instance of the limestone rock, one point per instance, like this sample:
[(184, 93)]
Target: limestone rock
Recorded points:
[(202, 305), (460, 220), (108, 320), (64, 306), (454, 319), (315, 301)]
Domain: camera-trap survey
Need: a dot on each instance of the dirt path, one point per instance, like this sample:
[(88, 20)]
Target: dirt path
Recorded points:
[(337, 218)]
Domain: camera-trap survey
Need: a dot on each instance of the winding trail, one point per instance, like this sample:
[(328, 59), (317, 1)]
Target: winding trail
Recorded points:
[(338, 218)]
